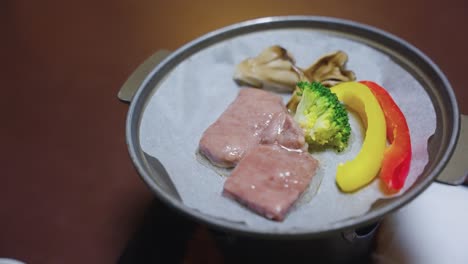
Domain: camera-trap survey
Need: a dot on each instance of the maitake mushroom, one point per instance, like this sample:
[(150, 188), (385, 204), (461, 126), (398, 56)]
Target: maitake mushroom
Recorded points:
[(274, 69), (328, 70)]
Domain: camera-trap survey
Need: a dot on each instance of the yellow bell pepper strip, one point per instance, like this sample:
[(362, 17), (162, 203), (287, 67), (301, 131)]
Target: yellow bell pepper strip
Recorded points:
[(357, 173), (397, 156)]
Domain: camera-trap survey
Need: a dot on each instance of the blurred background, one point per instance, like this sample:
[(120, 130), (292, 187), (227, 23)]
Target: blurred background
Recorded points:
[(68, 190)]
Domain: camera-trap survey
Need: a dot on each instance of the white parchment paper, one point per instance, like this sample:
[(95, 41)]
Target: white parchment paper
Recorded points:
[(198, 90)]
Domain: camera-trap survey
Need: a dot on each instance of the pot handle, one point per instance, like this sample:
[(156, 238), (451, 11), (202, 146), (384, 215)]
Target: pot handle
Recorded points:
[(129, 88), (456, 171), (362, 233)]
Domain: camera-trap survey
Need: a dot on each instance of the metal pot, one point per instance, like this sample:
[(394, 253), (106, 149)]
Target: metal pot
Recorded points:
[(139, 88)]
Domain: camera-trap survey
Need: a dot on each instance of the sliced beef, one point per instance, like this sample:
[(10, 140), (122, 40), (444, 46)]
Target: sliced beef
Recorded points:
[(254, 117), (270, 178), (284, 131)]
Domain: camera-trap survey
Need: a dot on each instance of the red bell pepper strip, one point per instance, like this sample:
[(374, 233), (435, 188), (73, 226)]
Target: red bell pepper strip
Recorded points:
[(397, 156)]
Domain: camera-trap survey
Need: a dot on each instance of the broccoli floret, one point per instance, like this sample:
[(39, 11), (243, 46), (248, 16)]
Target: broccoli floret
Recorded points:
[(322, 117)]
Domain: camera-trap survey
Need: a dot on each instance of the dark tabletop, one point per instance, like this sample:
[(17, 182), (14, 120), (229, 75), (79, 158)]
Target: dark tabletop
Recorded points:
[(68, 190)]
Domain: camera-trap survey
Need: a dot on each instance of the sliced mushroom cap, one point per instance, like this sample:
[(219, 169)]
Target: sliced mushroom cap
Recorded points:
[(273, 69)]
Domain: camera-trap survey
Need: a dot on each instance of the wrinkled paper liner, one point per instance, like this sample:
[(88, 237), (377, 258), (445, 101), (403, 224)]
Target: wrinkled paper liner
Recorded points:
[(200, 88)]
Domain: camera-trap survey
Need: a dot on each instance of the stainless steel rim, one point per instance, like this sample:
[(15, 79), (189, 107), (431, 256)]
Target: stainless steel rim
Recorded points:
[(392, 45)]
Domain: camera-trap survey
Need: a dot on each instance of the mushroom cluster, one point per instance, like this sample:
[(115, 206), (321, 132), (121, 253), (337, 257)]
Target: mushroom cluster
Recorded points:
[(274, 69)]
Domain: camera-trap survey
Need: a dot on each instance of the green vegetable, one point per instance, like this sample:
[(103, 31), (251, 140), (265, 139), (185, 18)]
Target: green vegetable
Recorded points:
[(322, 117)]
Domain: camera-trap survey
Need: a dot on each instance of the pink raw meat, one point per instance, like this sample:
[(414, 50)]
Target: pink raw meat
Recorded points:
[(255, 117), (270, 178)]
